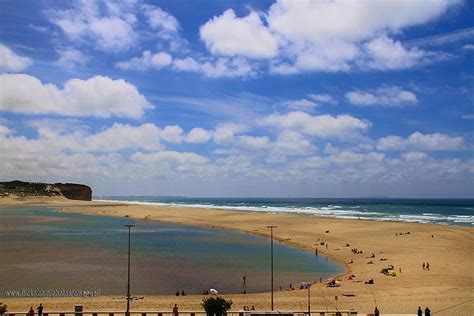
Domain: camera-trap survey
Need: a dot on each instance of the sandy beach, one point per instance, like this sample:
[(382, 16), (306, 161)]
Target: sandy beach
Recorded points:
[(448, 249)]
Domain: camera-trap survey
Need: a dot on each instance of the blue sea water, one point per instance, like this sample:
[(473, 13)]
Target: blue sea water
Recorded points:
[(436, 211)]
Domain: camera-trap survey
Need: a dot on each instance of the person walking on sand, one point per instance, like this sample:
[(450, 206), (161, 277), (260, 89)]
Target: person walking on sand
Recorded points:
[(376, 311), (419, 312), (427, 266), (40, 309), (175, 310), (427, 311), (31, 312), (423, 266)]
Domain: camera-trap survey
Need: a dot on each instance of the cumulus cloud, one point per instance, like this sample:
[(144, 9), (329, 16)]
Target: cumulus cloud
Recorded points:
[(217, 67), (253, 142), (161, 20), (328, 36), (224, 133), (198, 136), (146, 61), (385, 54), (420, 141), (97, 96), (11, 62), (291, 143), (229, 35), (108, 25), (71, 57), (389, 96), (322, 98), (321, 125)]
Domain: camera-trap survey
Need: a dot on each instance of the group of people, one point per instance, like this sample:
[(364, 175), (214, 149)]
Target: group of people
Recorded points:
[(420, 312), (248, 308), (182, 293), (31, 312)]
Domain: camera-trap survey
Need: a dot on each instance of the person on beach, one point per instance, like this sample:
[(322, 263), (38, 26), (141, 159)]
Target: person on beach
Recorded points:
[(177, 292), (427, 311), (419, 312), (427, 266), (423, 266), (40, 309), (175, 310), (182, 293), (376, 311), (31, 312)]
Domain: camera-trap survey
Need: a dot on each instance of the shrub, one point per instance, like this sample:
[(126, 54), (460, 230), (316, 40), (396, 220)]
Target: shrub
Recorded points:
[(216, 306), (3, 308)]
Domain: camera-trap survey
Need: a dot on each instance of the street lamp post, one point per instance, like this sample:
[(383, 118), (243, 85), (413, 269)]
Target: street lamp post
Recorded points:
[(271, 238), (309, 299), (128, 280)]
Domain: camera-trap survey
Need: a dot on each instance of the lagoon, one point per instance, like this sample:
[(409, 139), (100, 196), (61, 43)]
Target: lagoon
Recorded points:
[(45, 249)]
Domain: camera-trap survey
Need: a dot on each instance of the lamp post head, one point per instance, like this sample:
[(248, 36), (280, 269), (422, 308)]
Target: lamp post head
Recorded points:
[(271, 226), (129, 225)]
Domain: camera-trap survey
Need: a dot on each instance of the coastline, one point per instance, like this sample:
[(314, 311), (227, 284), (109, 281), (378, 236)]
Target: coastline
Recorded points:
[(449, 282)]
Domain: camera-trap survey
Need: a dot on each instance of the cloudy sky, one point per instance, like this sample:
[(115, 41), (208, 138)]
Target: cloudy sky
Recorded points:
[(232, 98)]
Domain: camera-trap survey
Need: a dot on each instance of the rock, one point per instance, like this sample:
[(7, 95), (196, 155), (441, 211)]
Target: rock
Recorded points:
[(72, 191)]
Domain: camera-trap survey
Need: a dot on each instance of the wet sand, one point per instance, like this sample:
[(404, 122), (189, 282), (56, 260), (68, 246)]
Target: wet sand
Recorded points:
[(448, 282)]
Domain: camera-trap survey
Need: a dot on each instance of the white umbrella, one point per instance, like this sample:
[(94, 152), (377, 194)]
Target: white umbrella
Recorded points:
[(213, 291)]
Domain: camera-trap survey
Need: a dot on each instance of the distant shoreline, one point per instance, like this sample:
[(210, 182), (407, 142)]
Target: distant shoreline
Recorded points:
[(334, 208)]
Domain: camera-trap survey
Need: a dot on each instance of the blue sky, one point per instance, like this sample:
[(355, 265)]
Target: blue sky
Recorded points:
[(240, 98)]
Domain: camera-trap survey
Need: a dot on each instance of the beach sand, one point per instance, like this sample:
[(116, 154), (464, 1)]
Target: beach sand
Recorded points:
[(449, 281)]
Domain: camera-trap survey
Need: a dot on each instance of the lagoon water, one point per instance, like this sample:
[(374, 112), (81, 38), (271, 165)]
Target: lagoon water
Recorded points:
[(45, 249)]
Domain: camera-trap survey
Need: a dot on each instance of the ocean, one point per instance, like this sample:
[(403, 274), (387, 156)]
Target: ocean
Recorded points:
[(434, 211)]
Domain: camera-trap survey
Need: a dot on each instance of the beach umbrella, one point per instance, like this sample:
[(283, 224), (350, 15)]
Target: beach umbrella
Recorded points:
[(213, 291)]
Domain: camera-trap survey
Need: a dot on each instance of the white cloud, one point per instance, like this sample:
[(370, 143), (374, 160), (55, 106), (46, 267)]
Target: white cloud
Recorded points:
[(38, 28), (414, 156), (224, 133), (71, 57), (253, 142), (146, 61), (328, 36), (350, 157), (217, 68), (161, 20), (300, 105), (390, 96), (11, 62), (322, 125), (5, 131), (97, 96), (350, 20), (322, 98), (228, 67), (198, 136), (110, 26), (169, 157), (229, 35), (468, 47), (468, 117), (385, 54), (186, 64), (172, 134), (122, 136), (419, 141), (291, 143)]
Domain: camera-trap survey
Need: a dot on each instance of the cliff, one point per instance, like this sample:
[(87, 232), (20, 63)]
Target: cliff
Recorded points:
[(71, 191)]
